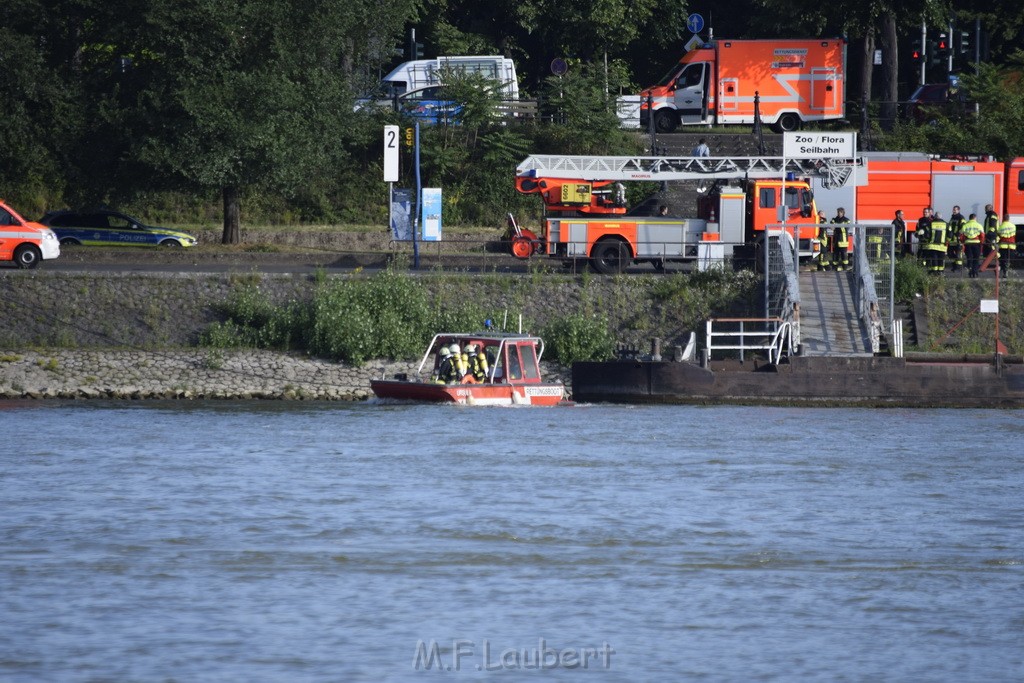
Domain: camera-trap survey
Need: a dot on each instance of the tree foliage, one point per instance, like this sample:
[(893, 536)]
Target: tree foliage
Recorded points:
[(146, 103)]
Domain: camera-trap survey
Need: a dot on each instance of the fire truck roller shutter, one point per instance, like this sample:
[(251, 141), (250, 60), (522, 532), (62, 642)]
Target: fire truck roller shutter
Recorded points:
[(972, 191)]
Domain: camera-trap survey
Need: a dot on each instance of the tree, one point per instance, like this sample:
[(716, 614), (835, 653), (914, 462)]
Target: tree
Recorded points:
[(38, 116), (535, 31), (251, 95)]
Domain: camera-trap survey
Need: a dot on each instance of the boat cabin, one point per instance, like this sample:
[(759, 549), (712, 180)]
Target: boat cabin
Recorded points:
[(511, 358)]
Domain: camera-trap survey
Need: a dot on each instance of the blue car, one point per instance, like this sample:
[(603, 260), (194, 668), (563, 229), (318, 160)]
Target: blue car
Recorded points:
[(427, 105), (102, 227)]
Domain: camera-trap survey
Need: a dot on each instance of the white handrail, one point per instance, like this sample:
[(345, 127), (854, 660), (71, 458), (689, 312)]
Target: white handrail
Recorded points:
[(782, 332)]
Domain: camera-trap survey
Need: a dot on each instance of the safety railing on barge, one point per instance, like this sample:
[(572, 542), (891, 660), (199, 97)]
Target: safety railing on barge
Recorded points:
[(772, 336)]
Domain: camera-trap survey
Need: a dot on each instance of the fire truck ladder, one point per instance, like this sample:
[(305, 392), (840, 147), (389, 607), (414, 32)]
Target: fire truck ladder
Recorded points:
[(836, 172)]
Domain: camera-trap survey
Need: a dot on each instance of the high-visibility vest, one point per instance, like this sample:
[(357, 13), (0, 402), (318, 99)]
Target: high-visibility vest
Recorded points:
[(1007, 235), (840, 234), (900, 230), (937, 239), (972, 232), (823, 236), (956, 225), (991, 228)]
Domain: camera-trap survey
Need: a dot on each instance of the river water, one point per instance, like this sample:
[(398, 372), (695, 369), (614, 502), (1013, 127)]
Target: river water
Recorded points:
[(369, 542)]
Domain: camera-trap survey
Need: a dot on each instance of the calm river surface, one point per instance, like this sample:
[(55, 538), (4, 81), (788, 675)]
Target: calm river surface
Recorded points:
[(367, 542)]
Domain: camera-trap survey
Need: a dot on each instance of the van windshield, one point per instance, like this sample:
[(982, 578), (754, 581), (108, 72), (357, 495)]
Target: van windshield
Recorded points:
[(670, 77)]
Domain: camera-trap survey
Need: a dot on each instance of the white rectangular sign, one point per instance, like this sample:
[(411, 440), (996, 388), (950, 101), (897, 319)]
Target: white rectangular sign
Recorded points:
[(430, 215), (815, 144), (990, 305), (390, 154)]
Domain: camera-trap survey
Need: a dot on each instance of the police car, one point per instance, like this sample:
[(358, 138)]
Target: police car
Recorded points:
[(103, 227)]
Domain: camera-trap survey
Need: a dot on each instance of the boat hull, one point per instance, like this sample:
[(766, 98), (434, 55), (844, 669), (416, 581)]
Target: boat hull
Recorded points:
[(488, 394), (867, 381)]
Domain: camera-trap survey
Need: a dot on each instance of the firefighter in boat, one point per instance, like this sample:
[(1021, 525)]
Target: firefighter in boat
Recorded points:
[(477, 361), (446, 368)]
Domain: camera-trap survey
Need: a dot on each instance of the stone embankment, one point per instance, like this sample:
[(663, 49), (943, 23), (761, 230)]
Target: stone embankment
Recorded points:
[(192, 374), (137, 335)]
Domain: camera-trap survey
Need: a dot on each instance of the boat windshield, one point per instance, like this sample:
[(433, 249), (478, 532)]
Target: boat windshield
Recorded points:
[(530, 368)]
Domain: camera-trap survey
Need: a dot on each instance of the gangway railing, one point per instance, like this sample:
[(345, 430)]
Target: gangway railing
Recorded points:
[(773, 336), (782, 277), (873, 259)]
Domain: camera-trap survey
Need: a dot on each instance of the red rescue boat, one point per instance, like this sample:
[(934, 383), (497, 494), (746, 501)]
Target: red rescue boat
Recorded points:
[(512, 376)]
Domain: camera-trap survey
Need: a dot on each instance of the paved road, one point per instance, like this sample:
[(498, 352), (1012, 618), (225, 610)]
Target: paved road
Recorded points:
[(102, 260)]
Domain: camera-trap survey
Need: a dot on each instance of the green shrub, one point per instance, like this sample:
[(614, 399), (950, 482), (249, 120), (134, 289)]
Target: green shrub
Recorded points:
[(579, 337), (910, 278)]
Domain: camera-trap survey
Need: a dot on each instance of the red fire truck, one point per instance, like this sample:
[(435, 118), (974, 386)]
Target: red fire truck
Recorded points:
[(587, 218)]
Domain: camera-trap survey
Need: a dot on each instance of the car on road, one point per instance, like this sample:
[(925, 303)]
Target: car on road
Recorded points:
[(104, 227), (426, 105), (934, 100), (24, 242)]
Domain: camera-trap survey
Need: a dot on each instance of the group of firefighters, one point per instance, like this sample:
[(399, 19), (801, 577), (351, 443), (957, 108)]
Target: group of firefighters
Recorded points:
[(938, 241), (457, 365)]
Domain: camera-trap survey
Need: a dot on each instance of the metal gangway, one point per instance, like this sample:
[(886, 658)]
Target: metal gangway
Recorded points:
[(833, 313), (850, 312)]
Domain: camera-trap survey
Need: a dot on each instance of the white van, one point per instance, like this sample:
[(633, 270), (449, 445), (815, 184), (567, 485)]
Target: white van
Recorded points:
[(423, 73), (410, 82)]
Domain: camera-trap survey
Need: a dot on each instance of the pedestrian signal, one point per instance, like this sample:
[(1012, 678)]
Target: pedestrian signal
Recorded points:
[(915, 53)]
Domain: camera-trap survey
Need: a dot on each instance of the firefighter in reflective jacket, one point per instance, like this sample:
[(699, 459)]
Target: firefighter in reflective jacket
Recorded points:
[(459, 361), (971, 235), (955, 250), (825, 251), (446, 371), (1007, 243), (991, 230), (840, 240), (477, 362), (935, 248), (924, 224)]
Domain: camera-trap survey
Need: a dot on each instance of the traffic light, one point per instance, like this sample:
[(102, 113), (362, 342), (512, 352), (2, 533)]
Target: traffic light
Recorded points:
[(931, 52), (417, 50), (915, 53), (943, 45), (965, 42)]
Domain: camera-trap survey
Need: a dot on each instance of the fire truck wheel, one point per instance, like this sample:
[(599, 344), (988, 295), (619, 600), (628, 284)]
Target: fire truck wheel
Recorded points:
[(788, 122), (610, 256), (665, 121), (27, 256), (521, 247)]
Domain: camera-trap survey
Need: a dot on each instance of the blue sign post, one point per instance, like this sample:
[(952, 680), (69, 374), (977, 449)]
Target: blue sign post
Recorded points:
[(695, 23)]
